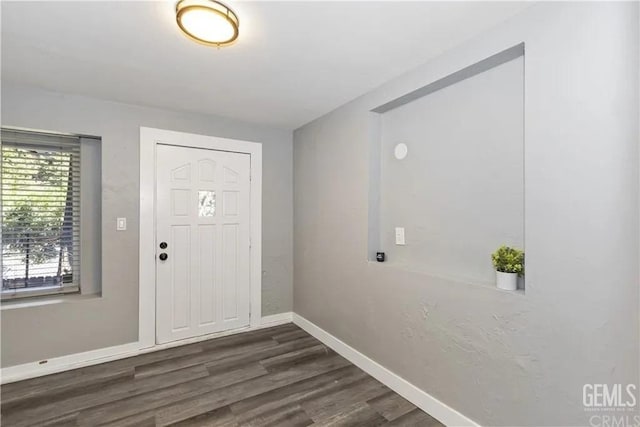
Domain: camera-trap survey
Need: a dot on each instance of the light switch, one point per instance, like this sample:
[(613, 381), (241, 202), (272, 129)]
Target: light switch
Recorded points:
[(400, 236), (121, 224)]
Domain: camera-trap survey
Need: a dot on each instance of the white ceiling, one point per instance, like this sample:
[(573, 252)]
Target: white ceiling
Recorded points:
[(294, 61)]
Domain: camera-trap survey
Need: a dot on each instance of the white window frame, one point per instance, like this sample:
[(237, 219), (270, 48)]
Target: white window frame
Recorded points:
[(149, 139)]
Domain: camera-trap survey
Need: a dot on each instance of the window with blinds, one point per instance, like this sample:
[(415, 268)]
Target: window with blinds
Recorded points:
[(40, 196)]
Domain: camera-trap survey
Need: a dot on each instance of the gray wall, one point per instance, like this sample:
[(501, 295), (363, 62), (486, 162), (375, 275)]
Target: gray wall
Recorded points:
[(35, 333), (499, 358), (459, 193)]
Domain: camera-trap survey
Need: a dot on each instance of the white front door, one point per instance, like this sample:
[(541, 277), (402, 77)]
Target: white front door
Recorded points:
[(202, 241)]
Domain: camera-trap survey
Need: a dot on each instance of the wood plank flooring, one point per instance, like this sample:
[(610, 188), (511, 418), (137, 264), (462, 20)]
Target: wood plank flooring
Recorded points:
[(279, 376)]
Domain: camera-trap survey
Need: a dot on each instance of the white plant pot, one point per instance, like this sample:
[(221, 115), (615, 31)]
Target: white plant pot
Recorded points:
[(507, 281)]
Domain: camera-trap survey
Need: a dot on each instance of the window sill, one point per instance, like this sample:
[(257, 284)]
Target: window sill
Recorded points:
[(46, 300)]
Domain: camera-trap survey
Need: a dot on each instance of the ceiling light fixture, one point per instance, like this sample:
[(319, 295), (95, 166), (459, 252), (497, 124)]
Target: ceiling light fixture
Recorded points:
[(207, 21)]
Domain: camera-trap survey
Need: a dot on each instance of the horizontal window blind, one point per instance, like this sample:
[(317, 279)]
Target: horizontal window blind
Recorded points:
[(40, 195)]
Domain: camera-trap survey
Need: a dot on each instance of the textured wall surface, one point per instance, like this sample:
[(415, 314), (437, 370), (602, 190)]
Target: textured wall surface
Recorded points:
[(459, 194), (47, 331), (499, 358)]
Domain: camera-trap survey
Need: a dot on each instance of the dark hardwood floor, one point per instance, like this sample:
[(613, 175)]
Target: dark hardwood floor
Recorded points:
[(279, 376)]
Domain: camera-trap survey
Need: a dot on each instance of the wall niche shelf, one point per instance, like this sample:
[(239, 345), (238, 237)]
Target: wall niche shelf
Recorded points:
[(459, 194)]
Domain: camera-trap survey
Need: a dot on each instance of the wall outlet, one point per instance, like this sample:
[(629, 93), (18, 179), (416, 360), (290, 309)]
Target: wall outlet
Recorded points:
[(400, 236), (121, 224)]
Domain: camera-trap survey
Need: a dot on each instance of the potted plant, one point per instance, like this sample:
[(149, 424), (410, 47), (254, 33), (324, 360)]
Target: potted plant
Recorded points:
[(509, 264)]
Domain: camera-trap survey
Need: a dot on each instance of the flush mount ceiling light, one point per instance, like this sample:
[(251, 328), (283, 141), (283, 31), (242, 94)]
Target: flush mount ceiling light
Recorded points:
[(207, 21)]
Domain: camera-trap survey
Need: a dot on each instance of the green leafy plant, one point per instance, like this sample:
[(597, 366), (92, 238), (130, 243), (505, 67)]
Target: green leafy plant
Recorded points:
[(508, 260)]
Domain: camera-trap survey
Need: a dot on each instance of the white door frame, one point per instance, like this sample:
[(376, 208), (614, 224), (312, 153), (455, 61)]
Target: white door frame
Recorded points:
[(149, 139)]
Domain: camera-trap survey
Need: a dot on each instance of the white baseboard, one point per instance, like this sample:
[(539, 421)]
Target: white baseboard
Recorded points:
[(65, 363), (277, 319), (443, 413), (418, 397), (93, 357)]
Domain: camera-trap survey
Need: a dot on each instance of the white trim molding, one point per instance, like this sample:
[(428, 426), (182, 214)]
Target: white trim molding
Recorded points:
[(94, 357), (149, 139), (65, 363), (423, 400), (277, 319), (413, 394)]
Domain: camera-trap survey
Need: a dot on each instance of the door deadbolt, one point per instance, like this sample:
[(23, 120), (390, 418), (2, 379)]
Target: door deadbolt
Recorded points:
[(163, 256), (163, 245)]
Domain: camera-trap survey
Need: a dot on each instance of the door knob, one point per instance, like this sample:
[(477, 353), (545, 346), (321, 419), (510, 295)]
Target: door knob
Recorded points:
[(163, 256), (163, 245)]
